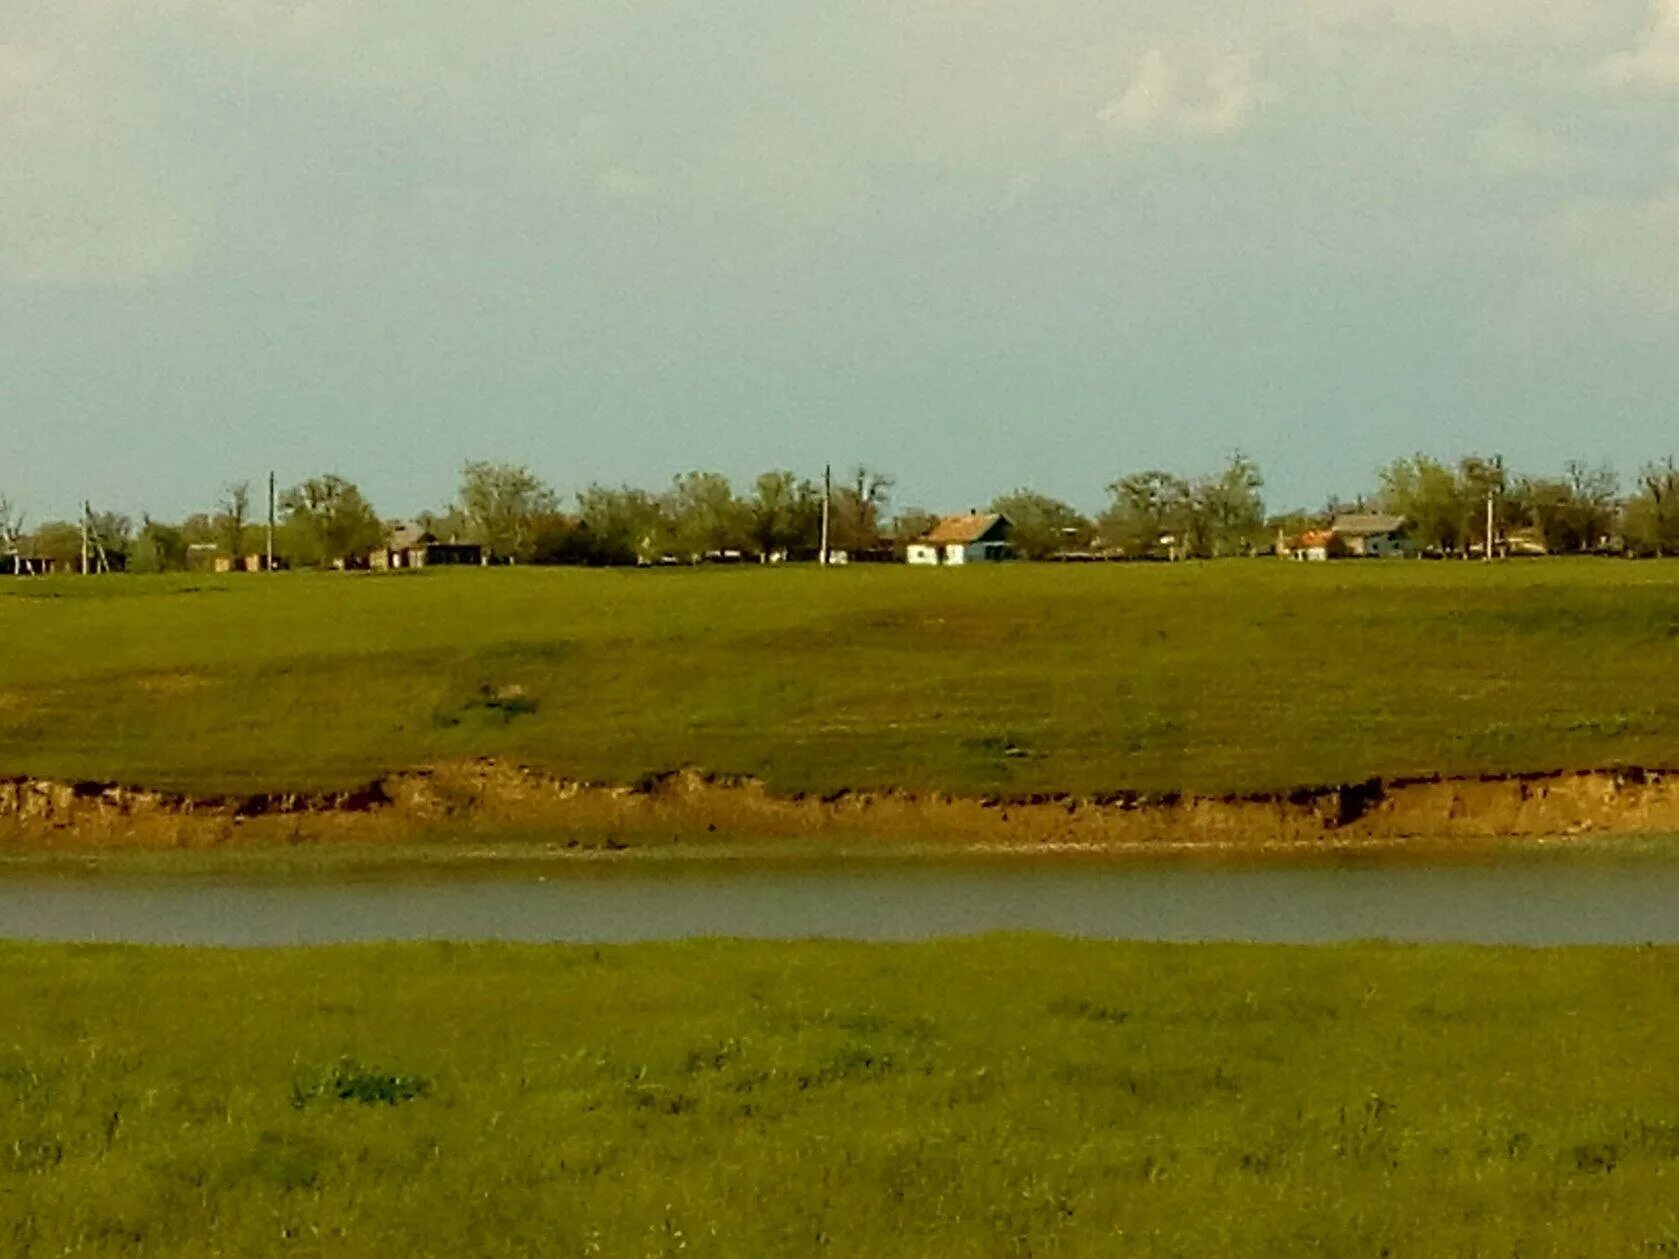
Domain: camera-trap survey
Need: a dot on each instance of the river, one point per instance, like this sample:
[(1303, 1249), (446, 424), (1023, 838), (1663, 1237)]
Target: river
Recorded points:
[(1531, 901)]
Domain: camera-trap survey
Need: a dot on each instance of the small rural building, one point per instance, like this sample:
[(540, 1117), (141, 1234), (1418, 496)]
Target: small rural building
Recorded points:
[(969, 539), (410, 546), (26, 566), (248, 563), (1318, 545), (1372, 535), (1365, 535)]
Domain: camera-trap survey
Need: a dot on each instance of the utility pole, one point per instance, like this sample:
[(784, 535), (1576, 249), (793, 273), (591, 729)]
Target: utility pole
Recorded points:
[(1487, 555), (270, 560), (91, 538), (827, 506)]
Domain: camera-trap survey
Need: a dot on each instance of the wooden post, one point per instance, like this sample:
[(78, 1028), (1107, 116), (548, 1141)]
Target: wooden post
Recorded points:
[(271, 522)]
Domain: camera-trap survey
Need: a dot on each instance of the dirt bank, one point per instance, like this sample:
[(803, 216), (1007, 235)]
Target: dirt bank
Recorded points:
[(480, 796)]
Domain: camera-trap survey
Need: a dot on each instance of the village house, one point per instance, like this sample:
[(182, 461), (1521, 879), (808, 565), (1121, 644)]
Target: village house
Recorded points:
[(1372, 535), (410, 546), (1317, 545), (969, 539), (1361, 535)]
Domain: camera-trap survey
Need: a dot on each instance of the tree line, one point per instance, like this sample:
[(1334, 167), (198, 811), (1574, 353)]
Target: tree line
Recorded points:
[(1151, 514), (1582, 509)]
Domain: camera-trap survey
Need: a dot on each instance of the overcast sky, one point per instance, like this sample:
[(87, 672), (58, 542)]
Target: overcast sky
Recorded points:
[(976, 243)]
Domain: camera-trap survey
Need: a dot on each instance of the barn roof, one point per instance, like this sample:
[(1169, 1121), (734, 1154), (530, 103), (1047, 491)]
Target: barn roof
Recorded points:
[(963, 530), (405, 534), (1364, 524)]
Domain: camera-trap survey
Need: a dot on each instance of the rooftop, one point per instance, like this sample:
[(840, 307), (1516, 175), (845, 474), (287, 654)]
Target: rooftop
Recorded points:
[(1364, 524), (961, 530)]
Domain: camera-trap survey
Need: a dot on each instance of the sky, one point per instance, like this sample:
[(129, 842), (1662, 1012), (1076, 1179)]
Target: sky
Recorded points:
[(978, 244)]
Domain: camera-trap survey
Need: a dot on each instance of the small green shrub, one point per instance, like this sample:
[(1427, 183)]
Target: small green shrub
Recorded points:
[(349, 1081)]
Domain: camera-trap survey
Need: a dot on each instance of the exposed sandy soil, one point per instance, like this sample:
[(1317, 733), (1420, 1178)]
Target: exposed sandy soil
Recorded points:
[(487, 795)]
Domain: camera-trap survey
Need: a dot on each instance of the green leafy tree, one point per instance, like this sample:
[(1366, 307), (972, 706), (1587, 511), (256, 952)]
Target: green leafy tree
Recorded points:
[(783, 512), (1043, 525), (912, 523), (327, 521), (701, 515), (448, 523), (1146, 508), (1574, 512), (1478, 480), (1427, 493), (1597, 492), (159, 548), (200, 535), (501, 503), (1226, 512), (562, 539), (623, 523), (111, 530), (59, 541), (199, 529)]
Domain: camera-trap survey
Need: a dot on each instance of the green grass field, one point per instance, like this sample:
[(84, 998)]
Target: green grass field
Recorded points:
[(1011, 1097), (1211, 677)]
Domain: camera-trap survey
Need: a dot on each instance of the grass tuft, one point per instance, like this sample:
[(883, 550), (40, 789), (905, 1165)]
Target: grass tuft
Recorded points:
[(349, 1081)]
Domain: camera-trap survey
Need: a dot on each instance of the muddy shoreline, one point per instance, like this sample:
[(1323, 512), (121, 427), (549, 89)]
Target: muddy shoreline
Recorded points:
[(484, 797)]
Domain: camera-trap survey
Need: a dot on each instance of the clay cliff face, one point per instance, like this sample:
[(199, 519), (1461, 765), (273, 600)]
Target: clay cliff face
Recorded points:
[(492, 794)]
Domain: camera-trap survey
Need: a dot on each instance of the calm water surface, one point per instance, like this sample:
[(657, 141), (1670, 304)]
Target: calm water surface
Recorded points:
[(1562, 901)]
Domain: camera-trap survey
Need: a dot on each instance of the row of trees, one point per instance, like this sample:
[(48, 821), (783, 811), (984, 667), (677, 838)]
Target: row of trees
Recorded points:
[(515, 515), (507, 509), (1150, 514), (1583, 509)]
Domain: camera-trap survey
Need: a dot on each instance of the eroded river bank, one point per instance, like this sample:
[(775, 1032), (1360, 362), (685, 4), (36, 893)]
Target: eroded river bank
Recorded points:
[(487, 796)]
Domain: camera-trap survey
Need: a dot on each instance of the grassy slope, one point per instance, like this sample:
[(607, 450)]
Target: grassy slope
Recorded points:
[(1206, 677), (1000, 1097)]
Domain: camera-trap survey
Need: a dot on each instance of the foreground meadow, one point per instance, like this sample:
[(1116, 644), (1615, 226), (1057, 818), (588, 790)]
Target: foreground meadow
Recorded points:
[(1240, 675), (1009, 1096)]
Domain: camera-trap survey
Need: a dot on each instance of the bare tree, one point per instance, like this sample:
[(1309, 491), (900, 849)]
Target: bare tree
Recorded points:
[(232, 513), (11, 535), (859, 509), (1652, 517)]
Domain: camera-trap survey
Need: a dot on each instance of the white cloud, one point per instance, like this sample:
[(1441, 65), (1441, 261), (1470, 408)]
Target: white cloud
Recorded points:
[(1654, 61), (1206, 96)]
